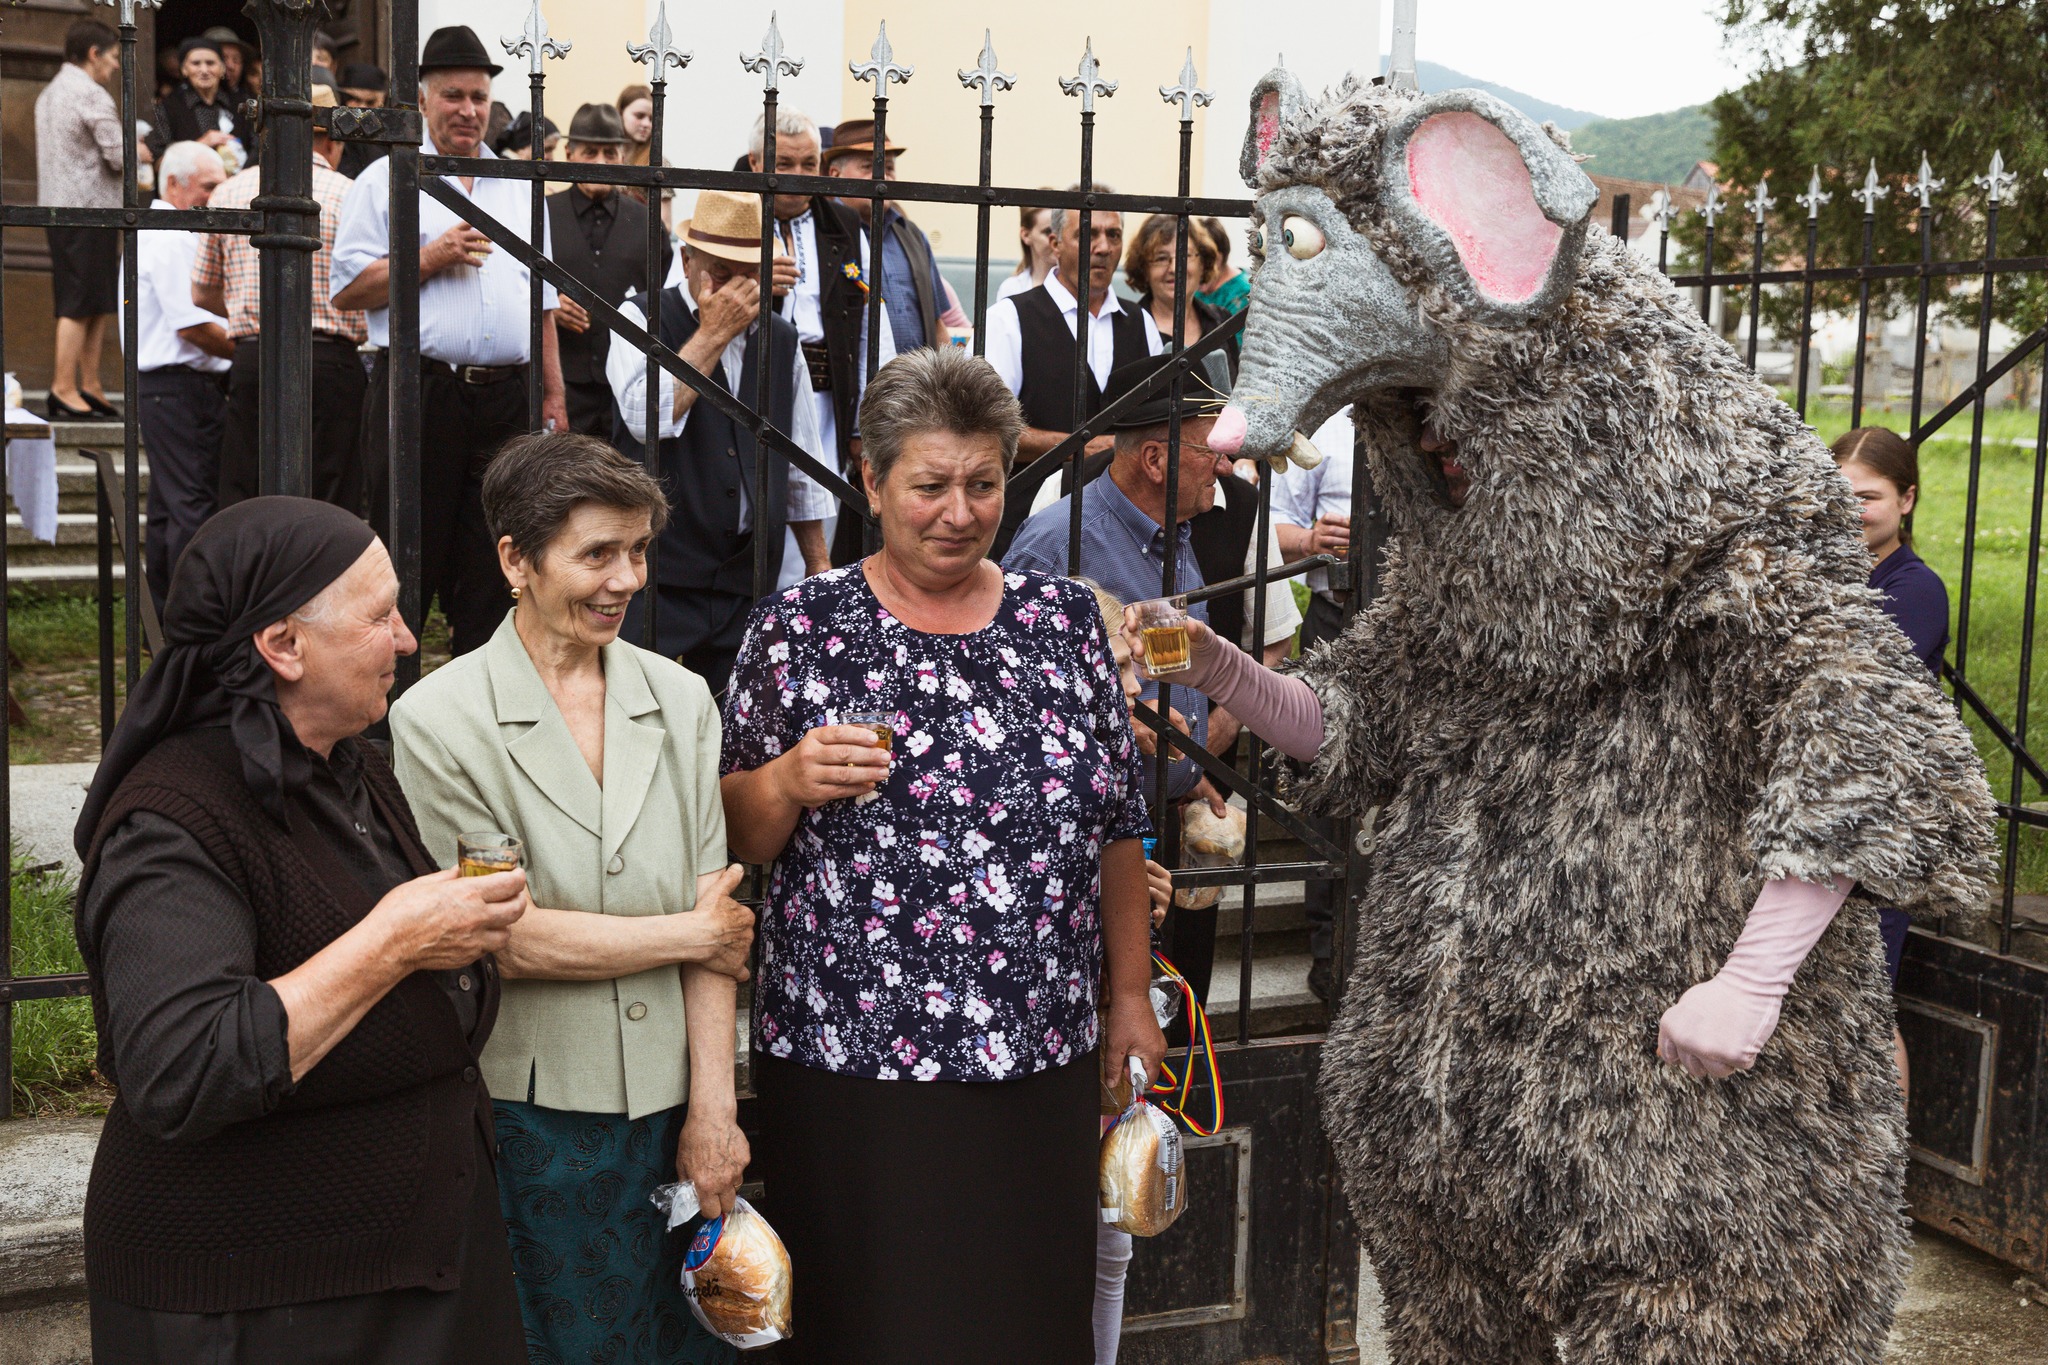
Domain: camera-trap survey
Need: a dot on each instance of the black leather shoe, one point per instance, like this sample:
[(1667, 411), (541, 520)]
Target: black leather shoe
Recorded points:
[(61, 411), (1319, 978), (101, 407)]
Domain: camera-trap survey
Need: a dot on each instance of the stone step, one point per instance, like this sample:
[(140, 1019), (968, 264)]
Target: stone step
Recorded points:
[(73, 529), (1281, 1000)]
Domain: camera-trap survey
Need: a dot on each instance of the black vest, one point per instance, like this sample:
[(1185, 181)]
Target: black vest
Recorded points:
[(355, 1183), (618, 272), (1047, 395), (704, 469), (842, 306)]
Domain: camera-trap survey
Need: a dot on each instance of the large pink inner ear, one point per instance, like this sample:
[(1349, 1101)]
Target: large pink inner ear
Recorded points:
[(1266, 125), (1469, 177)]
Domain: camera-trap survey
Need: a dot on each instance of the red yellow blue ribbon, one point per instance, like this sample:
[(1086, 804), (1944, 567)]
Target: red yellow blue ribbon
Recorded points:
[(1179, 1085)]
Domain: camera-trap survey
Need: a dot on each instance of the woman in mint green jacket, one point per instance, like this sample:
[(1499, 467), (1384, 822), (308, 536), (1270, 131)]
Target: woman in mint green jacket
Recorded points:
[(612, 1064)]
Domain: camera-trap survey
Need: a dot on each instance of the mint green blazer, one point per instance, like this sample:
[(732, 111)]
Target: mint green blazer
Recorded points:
[(479, 744)]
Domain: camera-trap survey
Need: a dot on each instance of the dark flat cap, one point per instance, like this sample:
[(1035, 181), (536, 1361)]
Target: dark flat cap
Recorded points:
[(223, 36), (456, 48), (201, 44), (364, 76), (1198, 398)]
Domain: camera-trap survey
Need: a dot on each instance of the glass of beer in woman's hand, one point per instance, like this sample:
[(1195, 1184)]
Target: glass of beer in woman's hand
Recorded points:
[(883, 723), (488, 852), (1163, 624)]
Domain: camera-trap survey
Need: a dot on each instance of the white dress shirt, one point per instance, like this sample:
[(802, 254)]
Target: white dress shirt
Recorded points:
[(1014, 285), (1302, 495), (469, 314), (163, 303), (625, 368), (1005, 348)]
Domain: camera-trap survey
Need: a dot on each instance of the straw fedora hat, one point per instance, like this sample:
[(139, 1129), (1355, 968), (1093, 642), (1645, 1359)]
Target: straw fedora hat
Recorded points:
[(727, 225)]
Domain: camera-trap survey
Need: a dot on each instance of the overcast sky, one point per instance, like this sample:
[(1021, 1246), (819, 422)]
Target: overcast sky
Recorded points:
[(1619, 58)]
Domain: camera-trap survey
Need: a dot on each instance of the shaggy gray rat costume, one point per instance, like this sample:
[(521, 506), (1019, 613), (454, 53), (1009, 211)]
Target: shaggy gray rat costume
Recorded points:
[(1636, 674)]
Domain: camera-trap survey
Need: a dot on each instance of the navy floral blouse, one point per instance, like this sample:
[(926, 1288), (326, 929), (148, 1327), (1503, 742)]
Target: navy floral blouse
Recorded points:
[(944, 926)]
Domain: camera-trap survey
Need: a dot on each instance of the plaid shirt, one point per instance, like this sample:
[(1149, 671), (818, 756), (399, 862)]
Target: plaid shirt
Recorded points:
[(232, 263)]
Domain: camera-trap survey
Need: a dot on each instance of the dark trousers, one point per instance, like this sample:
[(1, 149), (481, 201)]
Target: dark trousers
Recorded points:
[(336, 474), (461, 426), (700, 628), (182, 412), (590, 407), (1323, 621)]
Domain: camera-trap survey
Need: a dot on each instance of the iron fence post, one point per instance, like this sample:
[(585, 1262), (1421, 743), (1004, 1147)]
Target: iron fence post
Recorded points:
[(1760, 205), (658, 53), (285, 247), (771, 65), (534, 44), (1711, 211), (1814, 197), (1869, 194), (1997, 184), (881, 68), (1924, 186), (131, 400), (986, 75), (402, 337)]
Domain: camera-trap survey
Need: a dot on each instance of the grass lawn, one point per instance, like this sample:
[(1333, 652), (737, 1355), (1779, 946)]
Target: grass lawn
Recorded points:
[(1998, 586), (53, 1039)]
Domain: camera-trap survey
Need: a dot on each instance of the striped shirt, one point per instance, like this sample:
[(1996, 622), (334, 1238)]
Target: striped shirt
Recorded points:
[(232, 264), (469, 314)]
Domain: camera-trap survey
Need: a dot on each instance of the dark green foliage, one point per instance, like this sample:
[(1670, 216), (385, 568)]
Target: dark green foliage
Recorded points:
[(54, 1040), (1845, 81), (1653, 147)]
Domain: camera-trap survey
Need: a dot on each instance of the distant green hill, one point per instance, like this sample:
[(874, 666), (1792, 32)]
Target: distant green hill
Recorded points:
[(1653, 147)]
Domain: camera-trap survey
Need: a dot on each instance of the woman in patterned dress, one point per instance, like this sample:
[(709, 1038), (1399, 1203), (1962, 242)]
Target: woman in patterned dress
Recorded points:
[(942, 909)]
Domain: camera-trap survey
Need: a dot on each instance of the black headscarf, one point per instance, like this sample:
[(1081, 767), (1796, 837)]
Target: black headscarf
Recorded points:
[(246, 568)]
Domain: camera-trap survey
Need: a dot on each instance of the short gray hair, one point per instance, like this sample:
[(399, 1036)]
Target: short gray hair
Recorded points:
[(536, 480), (1059, 215), (788, 123), (947, 389), (182, 160)]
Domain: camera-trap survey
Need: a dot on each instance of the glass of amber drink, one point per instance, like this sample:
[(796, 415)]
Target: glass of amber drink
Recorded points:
[(883, 723), (488, 852), (1163, 624)]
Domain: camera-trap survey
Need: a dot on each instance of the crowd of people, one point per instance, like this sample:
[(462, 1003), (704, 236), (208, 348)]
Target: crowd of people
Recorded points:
[(507, 1065)]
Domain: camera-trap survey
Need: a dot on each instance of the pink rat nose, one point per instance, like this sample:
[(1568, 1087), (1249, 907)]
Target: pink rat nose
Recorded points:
[(1227, 436)]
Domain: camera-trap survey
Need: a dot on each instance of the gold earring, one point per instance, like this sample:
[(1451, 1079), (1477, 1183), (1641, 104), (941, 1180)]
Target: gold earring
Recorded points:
[(515, 594)]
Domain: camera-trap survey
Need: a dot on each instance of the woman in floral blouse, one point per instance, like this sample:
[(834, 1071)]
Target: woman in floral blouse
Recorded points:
[(941, 909)]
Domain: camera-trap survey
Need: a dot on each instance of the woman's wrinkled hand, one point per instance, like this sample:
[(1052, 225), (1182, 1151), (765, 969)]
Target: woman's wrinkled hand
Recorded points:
[(1159, 887), (726, 927), (1131, 1030), (712, 1154), (443, 920), (831, 762)]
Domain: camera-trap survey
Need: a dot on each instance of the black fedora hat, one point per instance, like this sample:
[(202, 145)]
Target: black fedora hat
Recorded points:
[(598, 125), (456, 48), (364, 76), (1198, 397)]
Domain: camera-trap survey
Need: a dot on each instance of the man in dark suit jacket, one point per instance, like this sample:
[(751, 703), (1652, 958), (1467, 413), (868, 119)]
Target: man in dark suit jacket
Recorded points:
[(818, 239), (600, 237)]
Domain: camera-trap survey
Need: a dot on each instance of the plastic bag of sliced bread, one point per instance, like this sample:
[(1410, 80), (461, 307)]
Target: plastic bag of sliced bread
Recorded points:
[(1143, 1182), (735, 1273)]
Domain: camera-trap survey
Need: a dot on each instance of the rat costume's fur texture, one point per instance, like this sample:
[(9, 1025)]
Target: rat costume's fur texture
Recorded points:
[(1634, 676)]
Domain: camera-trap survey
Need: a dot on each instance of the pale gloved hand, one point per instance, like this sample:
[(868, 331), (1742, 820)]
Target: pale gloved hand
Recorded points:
[(1720, 1026)]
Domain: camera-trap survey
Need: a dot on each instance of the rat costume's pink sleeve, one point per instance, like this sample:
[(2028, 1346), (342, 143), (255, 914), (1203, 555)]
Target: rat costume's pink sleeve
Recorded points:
[(1281, 710)]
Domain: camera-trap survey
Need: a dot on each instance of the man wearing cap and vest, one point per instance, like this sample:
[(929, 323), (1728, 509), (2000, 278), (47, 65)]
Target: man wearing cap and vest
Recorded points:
[(600, 237), (473, 357), (821, 285), (708, 462), (913, 292), (1030, 343)]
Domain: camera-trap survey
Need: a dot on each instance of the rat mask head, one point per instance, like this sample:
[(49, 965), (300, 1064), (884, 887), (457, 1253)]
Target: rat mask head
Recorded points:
[(1379, 216)]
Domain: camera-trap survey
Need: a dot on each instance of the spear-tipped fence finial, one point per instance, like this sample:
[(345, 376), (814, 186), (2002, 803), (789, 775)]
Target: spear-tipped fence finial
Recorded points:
[(985, 74), (1088, 83), (1814, 197), (1998, 182), (127, 8), (769, 63), (1871, 191), (1713, 208), (1658, 211), (1189, 93), (533, 42), (1761, 203), (660, 50), (881, 67), (1926, 186)]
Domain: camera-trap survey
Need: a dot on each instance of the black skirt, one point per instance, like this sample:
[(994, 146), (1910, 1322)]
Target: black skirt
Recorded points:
[(85, 271), (942, 1223)]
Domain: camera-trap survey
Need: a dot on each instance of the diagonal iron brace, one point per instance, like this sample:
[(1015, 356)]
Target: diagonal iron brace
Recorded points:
[(1182, 364), (1237, 785), (763, 431)]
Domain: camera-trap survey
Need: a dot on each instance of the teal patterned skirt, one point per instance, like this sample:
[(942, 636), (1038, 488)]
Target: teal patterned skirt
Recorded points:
[(599, 1276)]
